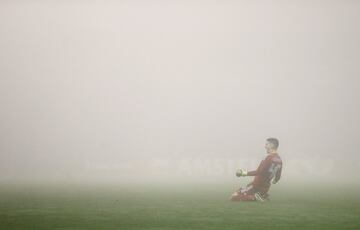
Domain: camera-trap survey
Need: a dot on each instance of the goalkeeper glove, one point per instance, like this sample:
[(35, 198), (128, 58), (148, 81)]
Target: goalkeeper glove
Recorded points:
[(241, 172)]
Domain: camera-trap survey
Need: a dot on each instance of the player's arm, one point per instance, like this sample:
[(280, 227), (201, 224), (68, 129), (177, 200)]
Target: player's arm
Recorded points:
[(277, 176), (263, 165)]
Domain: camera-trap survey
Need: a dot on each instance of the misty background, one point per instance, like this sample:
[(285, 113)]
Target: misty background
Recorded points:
[(178, 90)]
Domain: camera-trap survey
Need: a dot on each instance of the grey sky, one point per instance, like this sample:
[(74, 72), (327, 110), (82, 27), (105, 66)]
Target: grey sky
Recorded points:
[(104, 83)]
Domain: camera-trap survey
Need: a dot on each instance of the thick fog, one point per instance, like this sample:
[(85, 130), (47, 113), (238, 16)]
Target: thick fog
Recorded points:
[(178, 90)]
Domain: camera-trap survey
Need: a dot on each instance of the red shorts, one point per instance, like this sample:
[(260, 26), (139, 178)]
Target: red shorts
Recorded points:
[(247, 193), (237, 196)]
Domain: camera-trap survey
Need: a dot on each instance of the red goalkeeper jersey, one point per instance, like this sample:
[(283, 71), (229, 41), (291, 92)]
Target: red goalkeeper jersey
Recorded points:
[(269, 170)]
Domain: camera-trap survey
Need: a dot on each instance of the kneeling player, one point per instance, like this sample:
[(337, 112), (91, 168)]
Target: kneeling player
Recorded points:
[(269, 171)]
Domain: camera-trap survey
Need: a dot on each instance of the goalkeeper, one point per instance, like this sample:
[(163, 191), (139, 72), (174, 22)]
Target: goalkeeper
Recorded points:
[(269, 171)]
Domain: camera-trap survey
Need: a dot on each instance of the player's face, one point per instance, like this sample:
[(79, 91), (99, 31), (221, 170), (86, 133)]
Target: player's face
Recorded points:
[(268, 146)]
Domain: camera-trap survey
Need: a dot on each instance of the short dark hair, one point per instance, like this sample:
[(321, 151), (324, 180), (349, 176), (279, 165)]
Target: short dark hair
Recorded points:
[(273, 141)]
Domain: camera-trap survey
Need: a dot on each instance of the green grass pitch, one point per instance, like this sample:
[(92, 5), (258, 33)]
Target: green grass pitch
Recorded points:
[(175, 207)]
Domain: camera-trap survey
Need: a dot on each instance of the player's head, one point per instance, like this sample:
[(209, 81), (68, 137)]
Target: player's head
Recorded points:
[(271, 144)]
